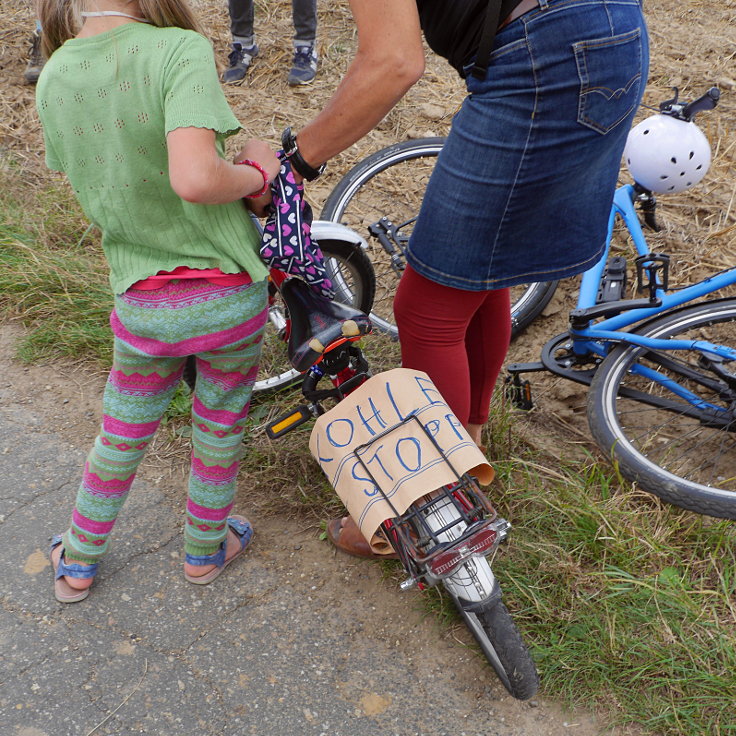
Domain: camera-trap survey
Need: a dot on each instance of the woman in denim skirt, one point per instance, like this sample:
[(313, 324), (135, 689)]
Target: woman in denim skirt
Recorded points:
[(523, 187)]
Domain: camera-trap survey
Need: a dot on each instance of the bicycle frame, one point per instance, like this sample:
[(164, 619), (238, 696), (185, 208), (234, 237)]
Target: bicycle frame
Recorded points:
[(597, 338)]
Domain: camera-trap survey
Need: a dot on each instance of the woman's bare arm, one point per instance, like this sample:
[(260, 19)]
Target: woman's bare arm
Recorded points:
[(389, 60)]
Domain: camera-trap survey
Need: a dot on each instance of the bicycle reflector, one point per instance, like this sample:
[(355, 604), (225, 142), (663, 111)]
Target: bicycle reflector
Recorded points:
[(445, 562), (286, 422)]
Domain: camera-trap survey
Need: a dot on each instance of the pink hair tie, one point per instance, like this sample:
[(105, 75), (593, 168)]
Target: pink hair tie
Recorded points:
[(266, 182)]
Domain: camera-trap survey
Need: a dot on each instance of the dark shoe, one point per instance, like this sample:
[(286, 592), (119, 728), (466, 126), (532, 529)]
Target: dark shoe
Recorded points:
[(35, 60), (345, 535), (239, 60), (304, 68)]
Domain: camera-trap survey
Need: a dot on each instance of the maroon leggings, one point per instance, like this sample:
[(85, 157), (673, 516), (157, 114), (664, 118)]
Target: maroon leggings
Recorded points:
[(459, 338)]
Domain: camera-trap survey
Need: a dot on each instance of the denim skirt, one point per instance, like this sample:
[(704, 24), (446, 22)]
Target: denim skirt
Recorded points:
[(523, 187)]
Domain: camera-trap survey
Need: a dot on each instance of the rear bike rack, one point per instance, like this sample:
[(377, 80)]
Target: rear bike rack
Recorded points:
[(427, 557)]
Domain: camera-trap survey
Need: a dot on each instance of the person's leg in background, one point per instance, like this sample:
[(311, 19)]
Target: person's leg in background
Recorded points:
[(244, 46), (36, 58), (459, 338), (304, 68)]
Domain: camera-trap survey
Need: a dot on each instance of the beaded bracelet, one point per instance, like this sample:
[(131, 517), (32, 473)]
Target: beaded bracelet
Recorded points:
[(266, 182)]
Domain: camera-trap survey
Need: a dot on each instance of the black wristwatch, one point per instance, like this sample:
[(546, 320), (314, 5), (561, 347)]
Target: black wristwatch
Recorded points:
[(288, 143)]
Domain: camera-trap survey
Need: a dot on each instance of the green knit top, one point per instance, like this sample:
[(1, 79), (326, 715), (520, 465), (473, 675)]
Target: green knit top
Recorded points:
[(106, 104)]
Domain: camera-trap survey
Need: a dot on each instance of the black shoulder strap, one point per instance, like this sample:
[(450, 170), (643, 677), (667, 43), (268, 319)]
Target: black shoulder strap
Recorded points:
[(496, 11)]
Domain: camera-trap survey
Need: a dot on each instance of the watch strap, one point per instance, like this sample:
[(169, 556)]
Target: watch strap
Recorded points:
[(291, 150)]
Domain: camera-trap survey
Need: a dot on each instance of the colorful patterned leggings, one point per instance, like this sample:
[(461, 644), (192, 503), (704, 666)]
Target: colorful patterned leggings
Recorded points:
[(154, 333)]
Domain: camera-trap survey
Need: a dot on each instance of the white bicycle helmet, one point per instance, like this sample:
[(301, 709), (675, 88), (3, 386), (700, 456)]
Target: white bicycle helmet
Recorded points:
[(665, 154)]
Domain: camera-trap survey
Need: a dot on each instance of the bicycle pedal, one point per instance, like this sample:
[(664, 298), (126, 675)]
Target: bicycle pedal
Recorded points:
[(288, 421), (519, 392), (653, 273)]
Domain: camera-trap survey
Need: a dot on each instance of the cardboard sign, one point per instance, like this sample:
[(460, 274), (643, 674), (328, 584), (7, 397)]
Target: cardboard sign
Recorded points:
[(390, 442)]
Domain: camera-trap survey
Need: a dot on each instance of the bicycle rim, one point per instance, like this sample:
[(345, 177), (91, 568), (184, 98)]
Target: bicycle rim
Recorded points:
[(391, 183), (682, 453)]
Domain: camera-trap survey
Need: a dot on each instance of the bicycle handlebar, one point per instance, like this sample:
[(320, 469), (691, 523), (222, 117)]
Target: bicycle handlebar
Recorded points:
[(688, 110)]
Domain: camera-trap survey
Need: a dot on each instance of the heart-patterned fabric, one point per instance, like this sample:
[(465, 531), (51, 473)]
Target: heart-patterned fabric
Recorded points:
[(286, 244)]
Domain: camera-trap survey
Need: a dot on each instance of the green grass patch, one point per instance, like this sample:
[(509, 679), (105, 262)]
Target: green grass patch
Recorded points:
[(628, 604), (53, 277)]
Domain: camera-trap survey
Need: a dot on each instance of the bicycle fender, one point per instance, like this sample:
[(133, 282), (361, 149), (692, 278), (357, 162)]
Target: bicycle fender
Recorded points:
[(328, 230)]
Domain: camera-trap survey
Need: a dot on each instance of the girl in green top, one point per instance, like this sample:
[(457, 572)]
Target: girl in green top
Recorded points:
[(133, 114)]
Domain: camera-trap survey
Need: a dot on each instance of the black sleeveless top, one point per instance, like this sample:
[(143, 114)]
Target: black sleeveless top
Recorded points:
[(452, 28)]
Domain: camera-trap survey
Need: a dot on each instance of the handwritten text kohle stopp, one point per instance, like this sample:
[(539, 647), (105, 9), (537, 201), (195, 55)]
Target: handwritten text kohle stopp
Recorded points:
[(390, 442)]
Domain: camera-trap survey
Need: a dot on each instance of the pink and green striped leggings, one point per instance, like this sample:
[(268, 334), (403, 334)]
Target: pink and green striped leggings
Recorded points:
[(154, 333)]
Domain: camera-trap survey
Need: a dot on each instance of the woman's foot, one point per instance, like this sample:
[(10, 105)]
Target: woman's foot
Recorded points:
[(475, 430), (239, 534)]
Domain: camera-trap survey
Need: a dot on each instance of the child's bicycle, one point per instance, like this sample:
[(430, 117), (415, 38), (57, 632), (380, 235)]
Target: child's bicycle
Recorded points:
[(446, 536), (352, 275), (662, 368)]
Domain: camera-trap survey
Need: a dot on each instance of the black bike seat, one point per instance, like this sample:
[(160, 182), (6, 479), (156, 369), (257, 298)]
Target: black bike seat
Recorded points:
[(317, 323)]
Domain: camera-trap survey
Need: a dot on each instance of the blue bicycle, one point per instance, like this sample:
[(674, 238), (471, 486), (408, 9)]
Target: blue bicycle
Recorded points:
[(662, 368)]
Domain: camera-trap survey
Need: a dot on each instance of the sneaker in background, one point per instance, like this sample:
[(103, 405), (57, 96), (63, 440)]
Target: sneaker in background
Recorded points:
[(36, 60), (304, 68), (239, 60)]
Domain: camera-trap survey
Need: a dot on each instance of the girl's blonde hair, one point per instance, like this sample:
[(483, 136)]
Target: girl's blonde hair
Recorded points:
[(61, 20)]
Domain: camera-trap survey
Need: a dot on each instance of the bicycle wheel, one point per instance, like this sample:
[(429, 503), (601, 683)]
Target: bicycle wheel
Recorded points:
[(503, 647), (682, 451), (390, 184), (355, 284)]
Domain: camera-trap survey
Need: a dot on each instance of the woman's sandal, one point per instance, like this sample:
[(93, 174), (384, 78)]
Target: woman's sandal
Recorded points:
[(241, 528), (63, 592)]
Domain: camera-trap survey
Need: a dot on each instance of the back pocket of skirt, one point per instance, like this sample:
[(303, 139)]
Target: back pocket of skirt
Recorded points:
[(610, 79)]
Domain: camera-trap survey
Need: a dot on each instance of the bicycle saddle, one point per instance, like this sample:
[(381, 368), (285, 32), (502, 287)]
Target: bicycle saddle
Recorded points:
[(318, 324)]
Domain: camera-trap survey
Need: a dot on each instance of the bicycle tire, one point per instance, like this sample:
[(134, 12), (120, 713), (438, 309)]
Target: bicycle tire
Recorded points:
[(503, 646), (390, 195), (670, 453), (355, 284)]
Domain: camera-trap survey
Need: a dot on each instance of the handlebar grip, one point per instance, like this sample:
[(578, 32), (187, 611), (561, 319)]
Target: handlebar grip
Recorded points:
[(706, 102)]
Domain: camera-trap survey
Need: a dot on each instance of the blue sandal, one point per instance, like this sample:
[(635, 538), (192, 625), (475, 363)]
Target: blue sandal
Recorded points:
[(63, 592), (240, 526)]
